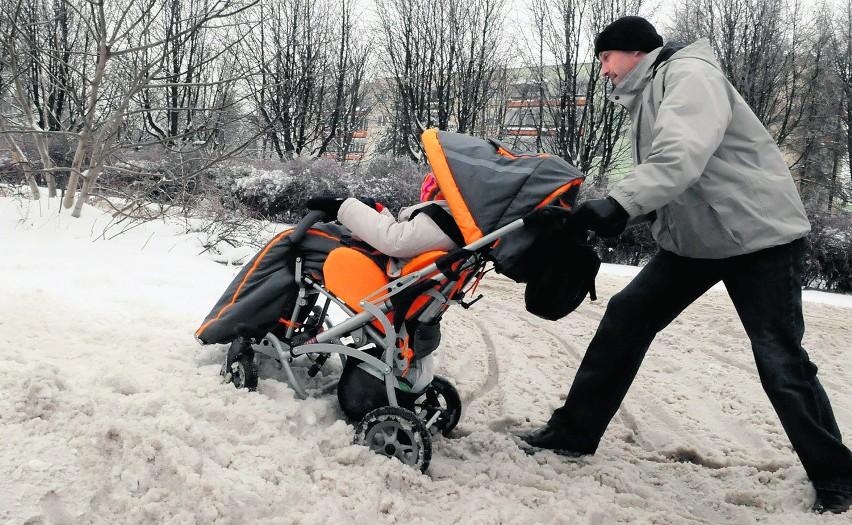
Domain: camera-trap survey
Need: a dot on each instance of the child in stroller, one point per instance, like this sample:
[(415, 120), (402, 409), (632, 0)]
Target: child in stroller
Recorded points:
[(424, 227), (278, 306)]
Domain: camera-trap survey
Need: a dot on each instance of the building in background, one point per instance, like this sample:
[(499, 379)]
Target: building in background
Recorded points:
[(523, 114)]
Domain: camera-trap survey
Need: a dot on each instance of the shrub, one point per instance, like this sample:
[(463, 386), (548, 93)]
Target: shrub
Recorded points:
[(828, 264), (393, 181), (160, 177), (280, 194), (634, 247)]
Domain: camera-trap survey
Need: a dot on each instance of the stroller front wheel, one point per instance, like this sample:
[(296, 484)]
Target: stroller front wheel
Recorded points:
[(441, 398), (398, 433), (244, 372)]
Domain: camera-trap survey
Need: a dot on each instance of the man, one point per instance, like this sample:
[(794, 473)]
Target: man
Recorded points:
[(723, 207)]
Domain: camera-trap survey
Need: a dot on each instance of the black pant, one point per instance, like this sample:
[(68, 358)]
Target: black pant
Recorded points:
[(765, 288)]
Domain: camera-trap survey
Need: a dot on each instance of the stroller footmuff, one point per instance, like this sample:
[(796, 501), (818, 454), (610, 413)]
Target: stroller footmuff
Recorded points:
[(313, 292)]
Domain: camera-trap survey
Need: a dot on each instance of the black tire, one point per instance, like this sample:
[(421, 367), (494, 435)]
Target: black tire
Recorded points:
[(398, 433), (244, 372), (440, 396)]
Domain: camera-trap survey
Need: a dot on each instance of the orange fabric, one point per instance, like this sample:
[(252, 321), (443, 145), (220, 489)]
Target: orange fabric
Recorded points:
[(421, 261), (351, 276), (418, 304), (458, 207), (243, 282), (561, 189), (506, 153)]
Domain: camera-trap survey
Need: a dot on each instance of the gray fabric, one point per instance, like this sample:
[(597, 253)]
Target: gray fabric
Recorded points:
[(704, 162), (402, 238), (499, 189), (265, 289)]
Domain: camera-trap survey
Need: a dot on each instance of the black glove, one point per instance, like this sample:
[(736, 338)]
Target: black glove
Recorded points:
[(605, 217), (325, 203), (369, 201)]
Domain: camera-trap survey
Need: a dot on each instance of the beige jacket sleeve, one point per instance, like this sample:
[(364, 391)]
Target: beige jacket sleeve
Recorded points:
[(400, 239)]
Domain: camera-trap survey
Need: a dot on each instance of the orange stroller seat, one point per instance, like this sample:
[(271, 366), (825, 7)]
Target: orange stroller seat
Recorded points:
[(352, 276)]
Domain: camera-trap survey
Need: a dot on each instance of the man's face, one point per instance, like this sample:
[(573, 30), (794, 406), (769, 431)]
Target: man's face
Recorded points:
[(615, 65)]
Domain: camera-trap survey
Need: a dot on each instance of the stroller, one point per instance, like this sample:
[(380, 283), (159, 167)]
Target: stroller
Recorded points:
[(281, 305)]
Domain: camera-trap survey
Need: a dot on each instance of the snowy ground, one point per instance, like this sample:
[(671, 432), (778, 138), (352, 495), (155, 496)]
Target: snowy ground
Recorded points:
[(110, 412)]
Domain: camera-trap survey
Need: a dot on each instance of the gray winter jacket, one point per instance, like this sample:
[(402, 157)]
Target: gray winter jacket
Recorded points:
[(402, 239), (704, 162)]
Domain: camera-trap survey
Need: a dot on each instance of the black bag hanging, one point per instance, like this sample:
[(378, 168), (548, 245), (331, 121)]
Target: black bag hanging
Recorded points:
[(559, 269)]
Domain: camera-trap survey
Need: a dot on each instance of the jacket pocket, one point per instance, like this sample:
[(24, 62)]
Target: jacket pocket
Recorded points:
[(699, 229)]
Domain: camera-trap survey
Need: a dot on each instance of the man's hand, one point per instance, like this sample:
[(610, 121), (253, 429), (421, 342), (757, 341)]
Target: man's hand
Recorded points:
[(325, 203), (548, 216), (605, 217)]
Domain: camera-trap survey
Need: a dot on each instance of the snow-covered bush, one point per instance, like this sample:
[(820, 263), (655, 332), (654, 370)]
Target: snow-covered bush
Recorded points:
[(633, 247), (393, 181), (171, 178), (281, 193), (828, 264)]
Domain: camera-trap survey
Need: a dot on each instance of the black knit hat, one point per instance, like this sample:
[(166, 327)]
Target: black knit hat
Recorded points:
[(628, 33)]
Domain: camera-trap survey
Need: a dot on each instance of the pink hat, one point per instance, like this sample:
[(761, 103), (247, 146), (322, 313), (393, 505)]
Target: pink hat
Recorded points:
[(429, 190)]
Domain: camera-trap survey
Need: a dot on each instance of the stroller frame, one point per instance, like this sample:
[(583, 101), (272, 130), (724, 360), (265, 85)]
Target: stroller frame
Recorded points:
[(380, 428)]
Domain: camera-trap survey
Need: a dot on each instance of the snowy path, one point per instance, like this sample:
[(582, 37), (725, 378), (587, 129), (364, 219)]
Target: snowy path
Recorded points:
[(111, 413)]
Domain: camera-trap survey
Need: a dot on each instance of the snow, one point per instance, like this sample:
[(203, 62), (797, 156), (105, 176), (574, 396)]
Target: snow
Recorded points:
[(111, 412)]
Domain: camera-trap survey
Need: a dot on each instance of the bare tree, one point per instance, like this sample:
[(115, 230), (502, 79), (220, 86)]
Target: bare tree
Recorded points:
[(311, 62), (348, 105), (567, 98), (816, 145), (842, 58), (37, 51), (407, 60), (757, 43), (481, 66), (186, 65), (443, 57), (116, 57)]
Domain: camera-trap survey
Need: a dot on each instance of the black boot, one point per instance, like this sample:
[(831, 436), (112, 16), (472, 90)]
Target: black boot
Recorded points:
[(552, 438), (831, 501)]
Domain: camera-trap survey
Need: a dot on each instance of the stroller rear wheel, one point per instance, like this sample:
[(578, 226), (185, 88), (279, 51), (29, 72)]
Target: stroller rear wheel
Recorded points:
[(442, 398), (398, 433)]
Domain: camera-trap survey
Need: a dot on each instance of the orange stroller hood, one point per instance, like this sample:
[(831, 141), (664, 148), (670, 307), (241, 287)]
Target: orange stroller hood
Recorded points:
[(487, 186)]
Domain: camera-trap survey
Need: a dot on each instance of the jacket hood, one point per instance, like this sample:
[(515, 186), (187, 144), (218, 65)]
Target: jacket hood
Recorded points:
[(699, 49), (637, 79)]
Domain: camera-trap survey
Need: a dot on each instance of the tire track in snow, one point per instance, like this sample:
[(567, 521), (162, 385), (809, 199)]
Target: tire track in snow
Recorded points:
[(508, 336), (717, 432), (589, 319), (493, 367)]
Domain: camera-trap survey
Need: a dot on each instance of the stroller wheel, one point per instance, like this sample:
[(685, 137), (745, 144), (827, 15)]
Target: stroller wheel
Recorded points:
[(396, 432), (440, 397), (244, 372)]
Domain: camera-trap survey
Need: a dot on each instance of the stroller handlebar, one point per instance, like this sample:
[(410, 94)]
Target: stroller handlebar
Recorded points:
[(302, 227)]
